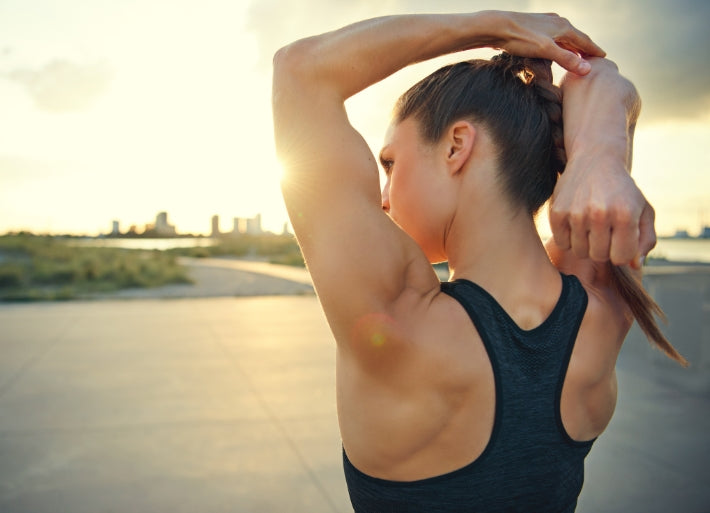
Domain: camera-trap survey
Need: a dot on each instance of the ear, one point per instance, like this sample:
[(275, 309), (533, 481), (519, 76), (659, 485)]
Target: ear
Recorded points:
[(458, 145)]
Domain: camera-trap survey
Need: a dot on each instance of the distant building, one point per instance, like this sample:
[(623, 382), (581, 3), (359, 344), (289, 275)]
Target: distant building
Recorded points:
[(115, 228), (215, 226), (237, 227), (247, 225), (254, 225), (162, 227), (705, 232), (681, 234)]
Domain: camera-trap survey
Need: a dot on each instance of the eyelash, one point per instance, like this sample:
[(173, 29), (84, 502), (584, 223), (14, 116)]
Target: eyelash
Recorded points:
[(387, 166)]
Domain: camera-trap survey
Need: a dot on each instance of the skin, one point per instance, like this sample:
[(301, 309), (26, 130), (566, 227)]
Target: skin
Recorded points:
[(414, 384)]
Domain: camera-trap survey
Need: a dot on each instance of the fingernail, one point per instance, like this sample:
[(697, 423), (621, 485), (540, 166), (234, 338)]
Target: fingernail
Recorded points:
[(584, 67)]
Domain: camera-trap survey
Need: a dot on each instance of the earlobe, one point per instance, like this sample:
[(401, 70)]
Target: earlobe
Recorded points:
[(460, 138)]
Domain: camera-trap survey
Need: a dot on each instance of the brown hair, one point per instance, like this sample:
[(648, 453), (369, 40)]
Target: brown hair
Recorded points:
[(515, 100)]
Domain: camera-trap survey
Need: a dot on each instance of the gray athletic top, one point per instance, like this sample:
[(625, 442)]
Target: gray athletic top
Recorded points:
[(530, 463)]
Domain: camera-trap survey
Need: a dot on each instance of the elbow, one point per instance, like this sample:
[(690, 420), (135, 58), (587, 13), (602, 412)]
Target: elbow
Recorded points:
[(606, 73), (294, 61), (604, 66), (633, 103)]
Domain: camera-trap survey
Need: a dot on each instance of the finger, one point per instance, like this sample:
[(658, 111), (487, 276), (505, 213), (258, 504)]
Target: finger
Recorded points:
[(576, 40), (579, 237), (624, 243), (579, 42), (599, 233), (599, 243), (560, 228), (647, 229), (568, 60)]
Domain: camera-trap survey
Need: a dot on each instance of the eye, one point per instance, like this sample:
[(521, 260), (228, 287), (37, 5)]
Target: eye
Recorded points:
[(387, 165)]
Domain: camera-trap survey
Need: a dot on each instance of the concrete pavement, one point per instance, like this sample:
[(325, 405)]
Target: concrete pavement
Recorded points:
[(228, 404)]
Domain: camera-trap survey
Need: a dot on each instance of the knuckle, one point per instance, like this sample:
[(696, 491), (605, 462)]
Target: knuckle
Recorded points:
[(623, 215), (598, 216), (577, 219), (556, 215)]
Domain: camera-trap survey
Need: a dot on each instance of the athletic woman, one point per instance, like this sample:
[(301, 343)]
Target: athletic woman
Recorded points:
[(483, 393)]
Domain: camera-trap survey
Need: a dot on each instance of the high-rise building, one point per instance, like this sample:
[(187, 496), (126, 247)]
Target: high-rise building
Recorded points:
[(115, 228), (237, 227), (254, 225), (215, 226), (162, 227)]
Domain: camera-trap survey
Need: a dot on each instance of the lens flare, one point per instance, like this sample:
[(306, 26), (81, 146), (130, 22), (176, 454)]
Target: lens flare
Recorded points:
[(375, 329)]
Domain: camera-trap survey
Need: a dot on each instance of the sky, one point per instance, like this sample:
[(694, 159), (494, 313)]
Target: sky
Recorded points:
[(117, 110)]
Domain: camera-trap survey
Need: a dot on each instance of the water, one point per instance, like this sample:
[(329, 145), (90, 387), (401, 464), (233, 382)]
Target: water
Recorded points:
[(148, 244), (682, 250)]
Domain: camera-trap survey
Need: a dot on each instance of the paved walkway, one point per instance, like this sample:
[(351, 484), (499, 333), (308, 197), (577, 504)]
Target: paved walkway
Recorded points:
[(227, 404)]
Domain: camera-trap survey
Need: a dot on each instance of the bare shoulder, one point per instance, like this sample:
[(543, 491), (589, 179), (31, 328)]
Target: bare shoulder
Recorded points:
[(428, 391)]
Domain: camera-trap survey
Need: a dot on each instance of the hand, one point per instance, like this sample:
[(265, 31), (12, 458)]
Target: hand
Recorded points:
[(601, 215), (548, 36)]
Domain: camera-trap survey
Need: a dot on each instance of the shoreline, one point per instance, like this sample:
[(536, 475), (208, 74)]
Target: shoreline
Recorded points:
[(239, 277), (235, 277)]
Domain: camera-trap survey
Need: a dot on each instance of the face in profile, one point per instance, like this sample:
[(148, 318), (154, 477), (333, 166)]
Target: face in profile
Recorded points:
[(416, 190)]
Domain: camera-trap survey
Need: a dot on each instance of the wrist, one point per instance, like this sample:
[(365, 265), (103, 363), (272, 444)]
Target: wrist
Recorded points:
[(600, 145), (598, 158), (481, 29)]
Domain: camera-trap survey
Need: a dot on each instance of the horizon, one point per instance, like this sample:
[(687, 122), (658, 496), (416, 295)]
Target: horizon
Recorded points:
[(98, 126)]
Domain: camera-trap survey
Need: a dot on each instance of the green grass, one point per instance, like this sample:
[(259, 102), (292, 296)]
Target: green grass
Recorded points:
[(277, 249), (36, 268), (47, 268)]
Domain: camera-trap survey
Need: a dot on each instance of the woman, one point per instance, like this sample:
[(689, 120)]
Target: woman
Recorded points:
[(484, 393)]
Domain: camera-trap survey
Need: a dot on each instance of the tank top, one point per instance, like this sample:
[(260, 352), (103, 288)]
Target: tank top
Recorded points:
[(530, 464)]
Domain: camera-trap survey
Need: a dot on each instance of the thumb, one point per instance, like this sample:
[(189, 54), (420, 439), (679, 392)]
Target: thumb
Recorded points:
[(571, 61)]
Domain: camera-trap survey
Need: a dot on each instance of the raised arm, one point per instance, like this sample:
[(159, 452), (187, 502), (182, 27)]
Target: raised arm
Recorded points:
[(363, 265), (597, 210), (599, 216)]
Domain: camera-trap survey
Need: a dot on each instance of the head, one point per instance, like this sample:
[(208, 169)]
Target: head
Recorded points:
[(514, 102)]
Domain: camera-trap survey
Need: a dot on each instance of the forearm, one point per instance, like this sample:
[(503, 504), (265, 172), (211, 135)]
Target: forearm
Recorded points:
[(354, 57), (597, 210), (600, 111)]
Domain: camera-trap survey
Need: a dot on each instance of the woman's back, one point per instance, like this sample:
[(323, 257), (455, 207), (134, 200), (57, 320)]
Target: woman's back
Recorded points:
[(528, 458)]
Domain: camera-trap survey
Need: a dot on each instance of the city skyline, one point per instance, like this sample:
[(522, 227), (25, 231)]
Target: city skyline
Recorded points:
[(161, 227)]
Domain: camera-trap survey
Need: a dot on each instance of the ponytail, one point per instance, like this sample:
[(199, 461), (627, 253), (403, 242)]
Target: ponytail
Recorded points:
[(644, 309)]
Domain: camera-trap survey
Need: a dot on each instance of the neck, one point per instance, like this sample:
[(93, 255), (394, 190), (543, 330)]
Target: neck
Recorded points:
[(506, 257)]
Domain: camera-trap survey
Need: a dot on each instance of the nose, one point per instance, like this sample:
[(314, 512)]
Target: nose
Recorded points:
[(386, 197)]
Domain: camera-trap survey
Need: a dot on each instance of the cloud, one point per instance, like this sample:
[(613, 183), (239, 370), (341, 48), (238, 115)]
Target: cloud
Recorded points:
[(62, 85), (662, 46)]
